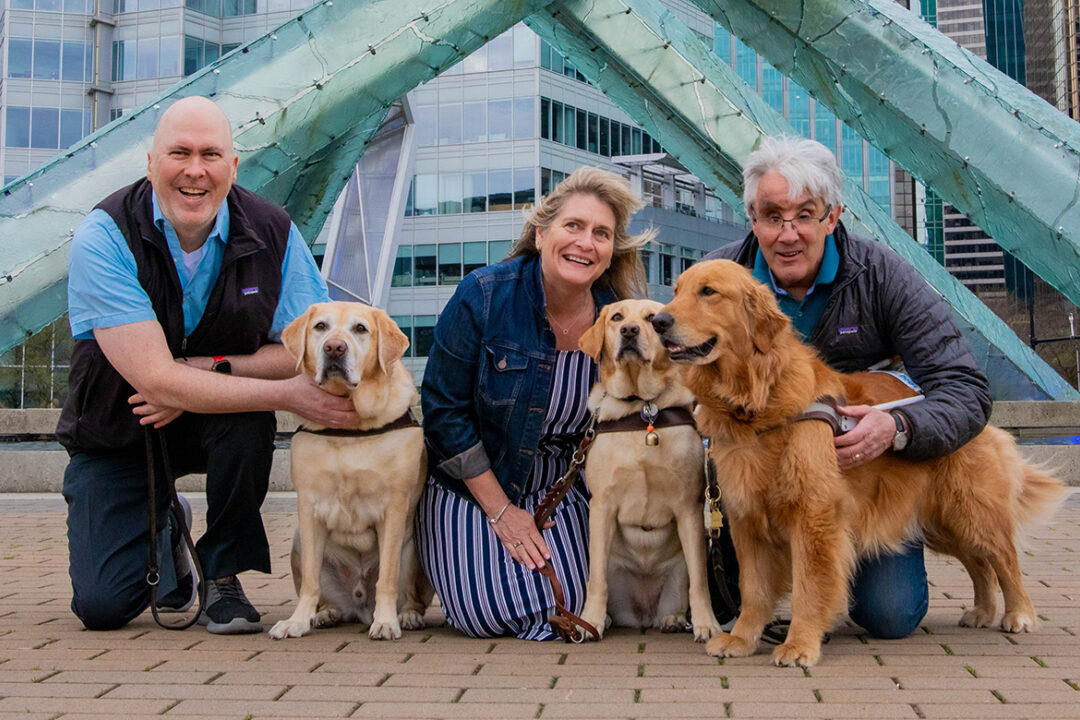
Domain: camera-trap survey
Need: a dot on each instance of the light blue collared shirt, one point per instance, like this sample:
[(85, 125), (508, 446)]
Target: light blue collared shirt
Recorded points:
[(804, 313), (103, 279)]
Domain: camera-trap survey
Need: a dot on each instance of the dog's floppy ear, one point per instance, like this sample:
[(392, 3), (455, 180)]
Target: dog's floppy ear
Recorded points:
[(294, 336), (591, 341), (766, 318), (392, 342)]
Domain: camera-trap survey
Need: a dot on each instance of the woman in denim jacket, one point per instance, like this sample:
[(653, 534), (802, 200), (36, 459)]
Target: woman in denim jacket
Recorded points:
[(504, 408)]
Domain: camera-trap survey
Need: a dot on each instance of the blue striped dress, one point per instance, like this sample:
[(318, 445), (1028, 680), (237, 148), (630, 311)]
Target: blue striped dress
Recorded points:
[(485, 592)]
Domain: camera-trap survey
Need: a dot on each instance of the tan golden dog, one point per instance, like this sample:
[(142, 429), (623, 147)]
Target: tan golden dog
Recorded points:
[(646, 528), (356, 495), (797, 522)]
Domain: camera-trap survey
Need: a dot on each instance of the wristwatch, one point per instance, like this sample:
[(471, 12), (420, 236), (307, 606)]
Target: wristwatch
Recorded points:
[(901, 438), (221, 365)]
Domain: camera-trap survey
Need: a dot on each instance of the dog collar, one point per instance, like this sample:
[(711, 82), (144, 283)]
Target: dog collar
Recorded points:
[(668, 417), (406, 420)]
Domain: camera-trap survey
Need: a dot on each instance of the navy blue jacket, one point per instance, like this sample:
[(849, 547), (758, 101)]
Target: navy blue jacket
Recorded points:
[(489, 374)]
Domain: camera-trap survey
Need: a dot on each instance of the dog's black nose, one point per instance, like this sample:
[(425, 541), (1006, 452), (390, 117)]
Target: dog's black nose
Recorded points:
[(629, 331), (334, 348), (662, 322)]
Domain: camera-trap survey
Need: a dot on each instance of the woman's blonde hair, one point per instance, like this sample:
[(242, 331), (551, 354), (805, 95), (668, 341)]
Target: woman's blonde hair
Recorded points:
[(626, 275)]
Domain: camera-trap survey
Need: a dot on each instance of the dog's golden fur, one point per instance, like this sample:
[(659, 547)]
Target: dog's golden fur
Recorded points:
[(646, 530), (353, 555), (797, 522)]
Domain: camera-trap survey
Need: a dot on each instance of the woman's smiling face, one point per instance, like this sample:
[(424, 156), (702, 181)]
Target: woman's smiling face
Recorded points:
[(576, 248)]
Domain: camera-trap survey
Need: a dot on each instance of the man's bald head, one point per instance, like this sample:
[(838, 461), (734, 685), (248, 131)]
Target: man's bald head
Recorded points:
[(196, 109), (192, 166)]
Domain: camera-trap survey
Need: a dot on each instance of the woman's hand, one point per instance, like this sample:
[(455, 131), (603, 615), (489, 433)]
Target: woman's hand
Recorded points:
[(517, 531)]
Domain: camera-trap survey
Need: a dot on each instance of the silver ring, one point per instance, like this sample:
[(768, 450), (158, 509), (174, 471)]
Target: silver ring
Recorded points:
[(517, 544)]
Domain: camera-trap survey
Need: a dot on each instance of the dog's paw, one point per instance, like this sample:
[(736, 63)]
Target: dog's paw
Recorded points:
[(291, 628), (601, 624), (676, 622), (790, 654), (1015, 622), (411, 620), (327, 617), (704, 631), (385, 630), (725, 645), (976, 618)]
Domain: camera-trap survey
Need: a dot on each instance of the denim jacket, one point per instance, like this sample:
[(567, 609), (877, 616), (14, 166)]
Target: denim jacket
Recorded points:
[(489, 375)]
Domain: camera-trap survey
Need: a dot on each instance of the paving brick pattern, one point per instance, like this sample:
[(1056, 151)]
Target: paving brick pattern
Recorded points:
[(51, 668)]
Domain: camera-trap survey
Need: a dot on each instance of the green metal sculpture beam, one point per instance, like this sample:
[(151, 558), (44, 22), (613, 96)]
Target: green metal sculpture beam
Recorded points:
[(304, 100), (982, 141), (657, 70)]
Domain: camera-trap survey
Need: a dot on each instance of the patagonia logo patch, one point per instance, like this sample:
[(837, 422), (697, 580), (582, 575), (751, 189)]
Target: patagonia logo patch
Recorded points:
[(250, 291), (848, 330)]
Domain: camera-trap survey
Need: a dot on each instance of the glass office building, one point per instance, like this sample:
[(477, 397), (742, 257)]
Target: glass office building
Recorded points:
[(493, 132)]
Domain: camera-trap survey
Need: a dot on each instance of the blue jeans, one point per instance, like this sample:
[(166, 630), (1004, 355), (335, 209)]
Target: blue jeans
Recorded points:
[(108, 520), (889, 594)]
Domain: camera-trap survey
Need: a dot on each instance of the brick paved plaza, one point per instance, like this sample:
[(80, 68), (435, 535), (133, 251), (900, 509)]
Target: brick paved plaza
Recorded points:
[(51, 668)]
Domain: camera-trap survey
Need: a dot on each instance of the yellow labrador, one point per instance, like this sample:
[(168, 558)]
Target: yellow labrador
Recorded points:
[(353, 556), (646, 525)]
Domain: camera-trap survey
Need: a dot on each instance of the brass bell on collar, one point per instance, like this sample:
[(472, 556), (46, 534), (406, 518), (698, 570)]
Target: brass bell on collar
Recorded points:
[(651, 438)]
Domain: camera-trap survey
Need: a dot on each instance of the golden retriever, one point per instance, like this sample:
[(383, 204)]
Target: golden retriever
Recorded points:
[(646, 528), (353, 556), (797, 522)]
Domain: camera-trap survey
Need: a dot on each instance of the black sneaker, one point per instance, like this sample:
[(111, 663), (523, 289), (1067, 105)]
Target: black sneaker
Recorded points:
[(227, 610), (183, 595)]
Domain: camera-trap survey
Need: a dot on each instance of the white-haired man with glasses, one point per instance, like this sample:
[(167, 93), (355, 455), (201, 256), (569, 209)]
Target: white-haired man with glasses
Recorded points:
[(860, 305)]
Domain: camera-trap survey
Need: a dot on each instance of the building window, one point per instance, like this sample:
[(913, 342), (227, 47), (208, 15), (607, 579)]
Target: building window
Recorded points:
[(427, 195), (524, 117), (199, 53), (500, 190), (46, 59), (20, 57), (500, 125), (402, 276), (450, 124), (425, 265), (449, 264), (474, 122), (498, 250), (475, 256), (474, 197), (219, 8), (424, 334), (449, 193), (524, 187), (44, 128), (17, 133)]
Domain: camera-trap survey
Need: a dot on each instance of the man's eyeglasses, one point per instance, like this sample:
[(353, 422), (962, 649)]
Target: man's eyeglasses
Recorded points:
[(804, 222)]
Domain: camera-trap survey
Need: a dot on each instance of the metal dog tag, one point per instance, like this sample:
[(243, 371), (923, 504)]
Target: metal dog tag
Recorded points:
[(649, 412)]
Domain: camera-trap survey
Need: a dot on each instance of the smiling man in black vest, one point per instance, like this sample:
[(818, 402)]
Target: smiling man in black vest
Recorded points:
[(179, 287)]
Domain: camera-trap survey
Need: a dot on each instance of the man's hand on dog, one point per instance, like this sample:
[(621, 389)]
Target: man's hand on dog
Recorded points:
[(872, 436), (305, 398), (516, 529)]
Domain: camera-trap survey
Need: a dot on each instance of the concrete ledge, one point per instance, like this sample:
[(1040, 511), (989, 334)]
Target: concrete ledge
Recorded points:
[(43, 470)]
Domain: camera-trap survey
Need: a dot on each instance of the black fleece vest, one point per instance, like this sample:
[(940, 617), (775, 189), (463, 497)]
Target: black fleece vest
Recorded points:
[(237, 319)]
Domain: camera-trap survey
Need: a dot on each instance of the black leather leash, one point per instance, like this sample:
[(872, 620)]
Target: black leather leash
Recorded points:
[(153, 577)]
